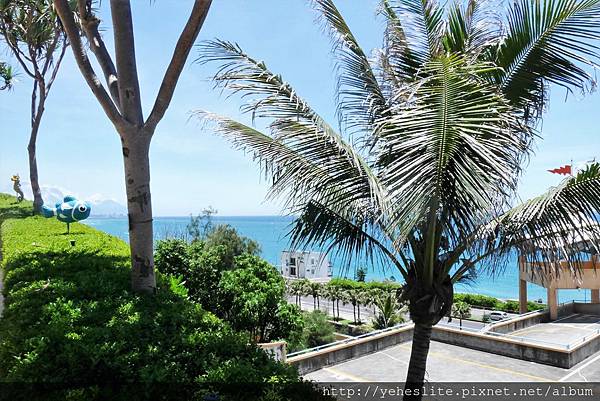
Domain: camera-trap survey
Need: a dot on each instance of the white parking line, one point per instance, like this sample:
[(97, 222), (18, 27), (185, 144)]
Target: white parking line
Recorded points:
[(394, 358), (579, 369)]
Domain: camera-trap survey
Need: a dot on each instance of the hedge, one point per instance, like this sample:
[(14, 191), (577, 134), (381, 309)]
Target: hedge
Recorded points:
[(495, 303), (70, 318)]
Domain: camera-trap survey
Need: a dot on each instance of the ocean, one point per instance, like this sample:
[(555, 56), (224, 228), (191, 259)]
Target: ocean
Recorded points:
[(270, 232)]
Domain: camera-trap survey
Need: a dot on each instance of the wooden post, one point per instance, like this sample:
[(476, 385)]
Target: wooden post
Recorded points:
[(552, 303), (595, 296), (522, 296)]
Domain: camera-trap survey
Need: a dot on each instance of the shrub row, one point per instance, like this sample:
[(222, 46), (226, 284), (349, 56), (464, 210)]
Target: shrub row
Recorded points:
[(485, 301)]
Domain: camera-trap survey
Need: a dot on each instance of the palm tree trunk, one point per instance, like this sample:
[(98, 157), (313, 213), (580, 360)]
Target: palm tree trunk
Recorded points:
[(418, 360), (136, 144), (354, 312), (358, 306)]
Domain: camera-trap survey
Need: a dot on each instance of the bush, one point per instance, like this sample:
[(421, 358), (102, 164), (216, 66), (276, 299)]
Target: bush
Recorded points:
[(253, 296), (317, 331), (70, 317)]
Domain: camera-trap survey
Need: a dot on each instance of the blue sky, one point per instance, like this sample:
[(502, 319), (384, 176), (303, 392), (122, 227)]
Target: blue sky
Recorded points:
[(79, 152)]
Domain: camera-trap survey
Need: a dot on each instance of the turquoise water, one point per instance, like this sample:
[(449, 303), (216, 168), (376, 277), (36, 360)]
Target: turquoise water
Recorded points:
[(270, 232)]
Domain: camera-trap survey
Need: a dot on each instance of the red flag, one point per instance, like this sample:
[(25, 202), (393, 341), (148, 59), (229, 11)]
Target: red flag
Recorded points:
[(564, 170)]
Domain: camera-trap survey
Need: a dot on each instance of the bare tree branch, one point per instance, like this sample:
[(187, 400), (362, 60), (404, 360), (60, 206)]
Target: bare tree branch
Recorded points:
[(83, 62), (129, 87), (182, 50), (90, 23)]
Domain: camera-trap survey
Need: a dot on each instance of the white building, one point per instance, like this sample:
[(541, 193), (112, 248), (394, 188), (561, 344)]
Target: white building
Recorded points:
[(310, 265)]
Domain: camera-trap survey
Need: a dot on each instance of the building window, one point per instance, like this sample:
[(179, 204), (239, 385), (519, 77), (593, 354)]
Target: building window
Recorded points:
[(312, 261), (312, 271), (293, 261), (293, 271)]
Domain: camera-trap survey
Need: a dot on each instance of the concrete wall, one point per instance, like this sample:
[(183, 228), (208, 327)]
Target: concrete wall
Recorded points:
[(514, 348), (316, 360), (520, 322), (586, 308), (503, 346)]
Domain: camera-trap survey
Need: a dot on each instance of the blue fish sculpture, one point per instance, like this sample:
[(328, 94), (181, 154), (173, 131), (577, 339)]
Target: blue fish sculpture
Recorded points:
[(69, 211)]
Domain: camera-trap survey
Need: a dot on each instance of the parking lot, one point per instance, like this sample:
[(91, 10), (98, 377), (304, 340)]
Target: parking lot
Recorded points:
[(566, 331), (449, 363)]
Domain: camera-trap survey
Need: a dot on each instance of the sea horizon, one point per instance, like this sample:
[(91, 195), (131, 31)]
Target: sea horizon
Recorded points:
[(270, 232)]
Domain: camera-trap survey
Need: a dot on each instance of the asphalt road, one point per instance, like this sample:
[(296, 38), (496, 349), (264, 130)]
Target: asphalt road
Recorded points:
[(366, 313)]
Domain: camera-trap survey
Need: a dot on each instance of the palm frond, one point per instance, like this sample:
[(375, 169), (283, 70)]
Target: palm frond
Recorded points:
[(398, 62), (351, 234), (472, 27), (302, 163), (360, 98), (457, 143), (548, 41), (423, 22), (557, 226)]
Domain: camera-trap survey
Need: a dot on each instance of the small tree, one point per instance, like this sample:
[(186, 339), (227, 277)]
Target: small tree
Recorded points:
[(123, 107), (199, 226), (35, 37), (255, 297), (461, 310), (361, 274)]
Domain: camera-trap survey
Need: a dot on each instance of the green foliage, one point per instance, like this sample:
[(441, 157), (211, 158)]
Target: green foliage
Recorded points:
[(71, 317), (254, 300), (485, 301), (234, 244), (390, 312), (6, 75), (461, 310), (199, 267), (360, 274), (199, 226), (316, 331), (222, 274)]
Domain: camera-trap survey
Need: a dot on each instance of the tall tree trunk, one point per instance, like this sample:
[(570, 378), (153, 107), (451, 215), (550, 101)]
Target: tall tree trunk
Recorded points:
[(136, 144), (354, 312), (33, 171), (358, 306), (418, 360), (37, 110)]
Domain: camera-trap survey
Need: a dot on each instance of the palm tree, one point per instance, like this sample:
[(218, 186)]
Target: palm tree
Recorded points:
[(305, 289), (297, 290), (314, 290), (35, 37), (433, 137), (461, 310), (390, 312), (6, 75), (335, 294)]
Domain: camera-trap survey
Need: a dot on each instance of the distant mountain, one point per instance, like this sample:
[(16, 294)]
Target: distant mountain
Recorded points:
[(107, 208), (101, 206)]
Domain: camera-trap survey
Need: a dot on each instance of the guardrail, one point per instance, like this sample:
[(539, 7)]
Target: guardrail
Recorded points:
[(348, 340)]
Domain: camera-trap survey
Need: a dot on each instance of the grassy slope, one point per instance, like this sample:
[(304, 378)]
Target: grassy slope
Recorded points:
[(70, 315)]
